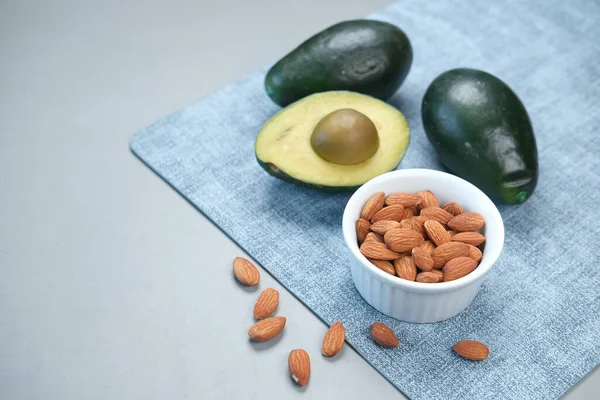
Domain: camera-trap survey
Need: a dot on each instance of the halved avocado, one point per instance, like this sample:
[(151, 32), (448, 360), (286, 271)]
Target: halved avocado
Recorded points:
[(283, 146)]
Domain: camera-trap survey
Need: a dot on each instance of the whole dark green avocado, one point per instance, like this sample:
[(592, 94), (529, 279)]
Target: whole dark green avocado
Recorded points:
[(364, 56), (482, 133)]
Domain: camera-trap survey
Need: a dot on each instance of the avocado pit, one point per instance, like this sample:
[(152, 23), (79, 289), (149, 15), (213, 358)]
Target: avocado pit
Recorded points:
[(345, 137)]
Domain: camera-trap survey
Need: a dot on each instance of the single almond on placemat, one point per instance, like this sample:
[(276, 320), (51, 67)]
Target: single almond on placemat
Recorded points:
[(378, 251), (472, 238), (245, 272), (363, 227), (394, 213), (374, 204), (471, 350), (436, 232), (383, 265), (267, 329), (422, 259), (383, 335), (405, 267), (427, 277), (458, 267), (428, 199), (439, 214), (385, 225), (299, 366), (334, 339), (474, 253), (467, 221), (447, 251), (405, 199), (266, 304), (402, 239), (453, 208)]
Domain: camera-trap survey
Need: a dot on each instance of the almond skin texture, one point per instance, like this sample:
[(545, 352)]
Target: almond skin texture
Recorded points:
[(436, 213), (451, 233), (428, 246), (383, 335), (458, 267), (408, 213), (266, 304), (416, 224), (439, 274), (406, 268), (383, 265), (376, 237), (333, 340), (446, 252), (453, 208), (378, 251), (267, 329), (427, 277), (471, 350), (374, 204), (299, 365), (394, 213), (422, 259), (363, 227), (245, 272), (402, 239), (472, 238), (383, 226), (467, 221), (428, 199), (475, 253), (405, 199), (436, 232)]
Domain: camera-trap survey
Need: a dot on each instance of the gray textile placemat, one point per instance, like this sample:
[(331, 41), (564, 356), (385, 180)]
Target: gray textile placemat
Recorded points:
[(539, 308)]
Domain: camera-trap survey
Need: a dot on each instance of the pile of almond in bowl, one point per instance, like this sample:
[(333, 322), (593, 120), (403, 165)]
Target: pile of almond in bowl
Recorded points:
[(414, 238)]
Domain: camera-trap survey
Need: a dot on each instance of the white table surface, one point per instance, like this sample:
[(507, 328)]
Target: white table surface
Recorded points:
[(111, 285)]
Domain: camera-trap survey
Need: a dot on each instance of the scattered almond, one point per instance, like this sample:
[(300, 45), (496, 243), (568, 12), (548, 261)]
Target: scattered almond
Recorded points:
[(378, 251), (333, 340), (447, 251), (266, 304), (405, 267), (245, 272), (427, 277), (363, 227), (428, 199), (428, 246), (383, 335), (422, 259), (467, 221), (475, 253), (458, 267), (394, 212), (439, 214), (405, 199), (436, 232), (383, 265), (299, 365), (472, 238), (383, 226), (402, 239), (453, 208), (267, 329), (471, 350), (374, 204)]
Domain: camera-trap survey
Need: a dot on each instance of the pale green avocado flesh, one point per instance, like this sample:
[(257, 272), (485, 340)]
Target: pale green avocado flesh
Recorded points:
[(283, 146)]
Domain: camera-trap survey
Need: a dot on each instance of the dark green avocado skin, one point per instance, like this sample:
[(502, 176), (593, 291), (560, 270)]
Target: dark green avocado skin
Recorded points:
[(365, 56), (482, 133)]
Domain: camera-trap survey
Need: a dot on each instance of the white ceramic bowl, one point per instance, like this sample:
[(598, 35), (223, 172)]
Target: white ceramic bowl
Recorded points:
[(415, 301)]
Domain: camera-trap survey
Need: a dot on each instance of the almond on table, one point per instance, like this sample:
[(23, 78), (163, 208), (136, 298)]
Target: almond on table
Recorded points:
[(266, 329), (299, 366), (245, 272), (333, 340), (266, 304)]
